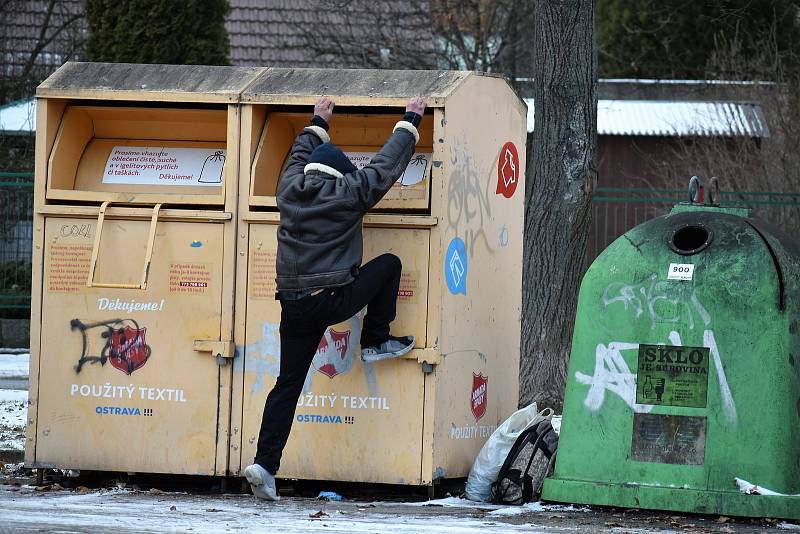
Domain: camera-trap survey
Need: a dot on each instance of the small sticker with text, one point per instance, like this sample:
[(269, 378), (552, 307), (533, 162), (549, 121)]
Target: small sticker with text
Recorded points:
[(680, 271)]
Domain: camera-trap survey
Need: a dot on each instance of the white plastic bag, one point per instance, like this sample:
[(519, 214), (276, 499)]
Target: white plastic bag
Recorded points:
[(489, 461)]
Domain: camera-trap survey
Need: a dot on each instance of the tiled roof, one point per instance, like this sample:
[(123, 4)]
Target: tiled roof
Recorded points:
[(278, 33), (20, 28), (305, 33)]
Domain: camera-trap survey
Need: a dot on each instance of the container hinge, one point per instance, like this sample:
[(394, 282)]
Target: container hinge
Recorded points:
[(224, 351)]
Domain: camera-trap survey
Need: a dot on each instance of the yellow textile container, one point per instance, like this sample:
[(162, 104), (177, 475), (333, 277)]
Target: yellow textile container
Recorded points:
[(455, 219), (134, 235), (154, 264)]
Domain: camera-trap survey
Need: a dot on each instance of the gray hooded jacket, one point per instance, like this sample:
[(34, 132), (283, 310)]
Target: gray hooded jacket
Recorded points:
[(319, 236)]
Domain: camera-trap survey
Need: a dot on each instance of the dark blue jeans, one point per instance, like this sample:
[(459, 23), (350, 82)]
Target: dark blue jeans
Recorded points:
[(303, 323)]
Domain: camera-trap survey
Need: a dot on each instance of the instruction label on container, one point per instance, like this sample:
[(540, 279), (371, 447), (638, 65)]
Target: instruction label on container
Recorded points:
[(414, 173), (409, 287), (262, 274), (680, 271), (668, 439), (68, 267), (672, 376), (150, 165), (189, 278)]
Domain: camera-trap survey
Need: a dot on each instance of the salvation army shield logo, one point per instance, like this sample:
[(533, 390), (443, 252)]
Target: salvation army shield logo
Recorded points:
[(333, 356), (479, 397), (129, 351)]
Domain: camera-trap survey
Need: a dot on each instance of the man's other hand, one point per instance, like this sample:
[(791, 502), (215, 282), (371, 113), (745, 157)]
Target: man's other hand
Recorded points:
[(417, 105), (324, 108)]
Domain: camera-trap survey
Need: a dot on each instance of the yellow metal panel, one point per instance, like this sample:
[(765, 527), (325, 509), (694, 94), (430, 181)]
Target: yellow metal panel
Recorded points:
[(141, 399), (74, 133), (411, 246), (372, 411), (48, 114), (478, 324), (228, 262), (134, 213)]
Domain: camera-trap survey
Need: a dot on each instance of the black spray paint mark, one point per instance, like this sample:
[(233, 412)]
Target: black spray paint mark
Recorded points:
[(108, 327), (468, 204)]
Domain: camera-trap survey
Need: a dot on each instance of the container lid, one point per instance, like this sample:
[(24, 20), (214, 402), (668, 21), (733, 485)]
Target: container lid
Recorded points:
[(129, 81), (361, 87)]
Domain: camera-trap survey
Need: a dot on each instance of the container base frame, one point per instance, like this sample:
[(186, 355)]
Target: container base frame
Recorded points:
[(730, 503)]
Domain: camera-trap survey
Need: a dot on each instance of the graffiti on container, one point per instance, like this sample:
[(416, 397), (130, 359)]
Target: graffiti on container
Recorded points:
[(76, 230), (468, 198), (335, 355), (728, 405), (124, 344), (612, 373), (660, 301)]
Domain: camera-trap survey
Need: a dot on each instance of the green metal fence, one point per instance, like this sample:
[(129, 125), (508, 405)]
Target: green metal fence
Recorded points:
[(617, 210), (16, 240)]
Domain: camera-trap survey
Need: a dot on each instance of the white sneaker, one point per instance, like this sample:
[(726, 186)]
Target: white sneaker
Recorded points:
[(261, 482), (394, 347)]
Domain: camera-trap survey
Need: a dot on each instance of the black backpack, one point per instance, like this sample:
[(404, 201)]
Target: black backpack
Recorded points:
[(529, 462)]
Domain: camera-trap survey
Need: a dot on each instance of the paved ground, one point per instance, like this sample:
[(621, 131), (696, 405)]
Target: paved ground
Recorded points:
[(125, 508), (97, 504)]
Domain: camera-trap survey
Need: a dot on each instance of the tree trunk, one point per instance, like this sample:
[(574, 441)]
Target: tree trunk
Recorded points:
[(558, 193)]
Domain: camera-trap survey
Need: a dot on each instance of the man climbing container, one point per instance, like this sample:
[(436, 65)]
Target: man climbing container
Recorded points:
[(322, 198)]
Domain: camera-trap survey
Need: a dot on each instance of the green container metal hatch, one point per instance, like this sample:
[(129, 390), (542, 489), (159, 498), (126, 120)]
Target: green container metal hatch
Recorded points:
[(685, 370)]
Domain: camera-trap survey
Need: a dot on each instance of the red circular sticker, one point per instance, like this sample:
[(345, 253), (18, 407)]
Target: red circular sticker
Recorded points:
[(507, 170)]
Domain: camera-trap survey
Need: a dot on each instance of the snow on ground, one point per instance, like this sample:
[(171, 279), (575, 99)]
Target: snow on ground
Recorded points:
[(14, 365), (13, 412), (455, 502), (144, 512), (499, 509)]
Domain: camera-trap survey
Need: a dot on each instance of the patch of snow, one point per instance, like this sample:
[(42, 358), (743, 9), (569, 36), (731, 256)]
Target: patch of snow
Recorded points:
[(556, 422), (511, 510), (751, 489), (19, 116), (14, 365), (13, 414), (539, 506), (455, 502), (788, 526)]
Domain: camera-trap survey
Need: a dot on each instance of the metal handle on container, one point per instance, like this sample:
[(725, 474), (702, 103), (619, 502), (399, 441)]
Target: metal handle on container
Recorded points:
[(147, 256), (695, 190)]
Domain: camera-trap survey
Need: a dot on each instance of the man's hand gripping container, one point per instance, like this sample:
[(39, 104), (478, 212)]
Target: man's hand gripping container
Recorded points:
[(455, 220)]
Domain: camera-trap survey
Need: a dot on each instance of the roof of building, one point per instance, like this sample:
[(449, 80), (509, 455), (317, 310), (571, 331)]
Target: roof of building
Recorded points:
[(21, 31), (305, 33), (675, 118), (18, 117)]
